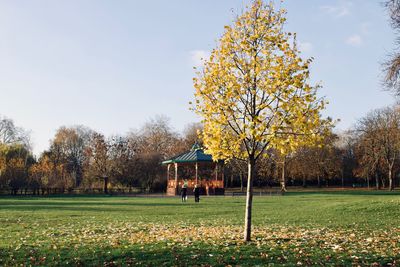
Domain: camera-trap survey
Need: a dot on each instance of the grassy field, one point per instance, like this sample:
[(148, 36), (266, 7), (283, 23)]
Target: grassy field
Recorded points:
[(329, 228)]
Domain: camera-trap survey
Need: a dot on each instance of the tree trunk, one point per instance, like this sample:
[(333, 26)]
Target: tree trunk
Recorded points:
[(249, 199), (241, 181), (283, 181), (390, 177), (304, 181), (342, 178), (377, 181), (367, 180), (105, 185), (319, 181)]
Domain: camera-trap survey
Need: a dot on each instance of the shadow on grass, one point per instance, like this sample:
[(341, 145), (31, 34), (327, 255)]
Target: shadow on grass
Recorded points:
[(97, 205), (94, 207), (346, 192)]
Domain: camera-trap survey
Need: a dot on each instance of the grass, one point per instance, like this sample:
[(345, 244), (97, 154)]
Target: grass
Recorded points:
[(306, 228)]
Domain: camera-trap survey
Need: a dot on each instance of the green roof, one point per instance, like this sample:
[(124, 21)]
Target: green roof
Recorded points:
[(196, 154)]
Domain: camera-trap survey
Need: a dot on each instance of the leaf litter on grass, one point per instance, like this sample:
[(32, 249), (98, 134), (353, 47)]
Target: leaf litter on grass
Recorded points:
[(273, 243)]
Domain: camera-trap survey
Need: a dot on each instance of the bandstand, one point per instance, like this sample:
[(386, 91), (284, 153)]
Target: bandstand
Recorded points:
[(197, 168)]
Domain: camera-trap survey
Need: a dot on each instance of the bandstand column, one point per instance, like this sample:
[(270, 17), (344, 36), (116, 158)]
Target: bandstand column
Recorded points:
[(197, 173), (176, 176)]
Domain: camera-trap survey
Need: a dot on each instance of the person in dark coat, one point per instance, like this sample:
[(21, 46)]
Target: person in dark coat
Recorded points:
[(184, 191), (196, 192)]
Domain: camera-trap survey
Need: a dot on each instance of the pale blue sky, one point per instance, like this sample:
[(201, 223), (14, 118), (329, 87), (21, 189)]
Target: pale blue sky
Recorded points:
[(112, 65)]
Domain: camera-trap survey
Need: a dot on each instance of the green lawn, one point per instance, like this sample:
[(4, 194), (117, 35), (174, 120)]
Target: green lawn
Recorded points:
[(330, 228)]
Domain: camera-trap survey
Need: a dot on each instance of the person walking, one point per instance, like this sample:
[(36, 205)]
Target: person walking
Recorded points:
[(196, 192), (184, 190)]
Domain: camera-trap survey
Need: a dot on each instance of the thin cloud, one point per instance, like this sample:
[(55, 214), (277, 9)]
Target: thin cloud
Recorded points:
[(365, 28), (198, 57), (354, 40), (340, 10), (305, 47)]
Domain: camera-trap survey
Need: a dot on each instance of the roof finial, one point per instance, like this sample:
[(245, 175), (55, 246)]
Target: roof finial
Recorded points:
[(196, 146)]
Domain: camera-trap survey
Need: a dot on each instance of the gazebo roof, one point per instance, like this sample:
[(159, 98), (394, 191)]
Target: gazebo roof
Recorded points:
[(196, 154)]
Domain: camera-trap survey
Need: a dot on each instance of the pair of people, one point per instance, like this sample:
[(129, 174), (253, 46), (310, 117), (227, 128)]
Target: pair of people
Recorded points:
[(196, 192)]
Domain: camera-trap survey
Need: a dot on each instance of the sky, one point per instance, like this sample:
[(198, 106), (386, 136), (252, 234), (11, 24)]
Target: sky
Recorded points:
[(113, 65)]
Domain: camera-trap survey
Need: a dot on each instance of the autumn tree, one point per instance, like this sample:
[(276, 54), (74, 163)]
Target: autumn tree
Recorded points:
[(157, 136), (154, 142), (346, 145), (68, 147), (389, 126), (12, 134), (267, 171), (392, 65), (97, 160), (192, 134), (237, 167), (302, 166), (50, 173), (15, 156), (15, 161), (380, 135), (253, 93), (123, 156), (323, 159), (368, 157)]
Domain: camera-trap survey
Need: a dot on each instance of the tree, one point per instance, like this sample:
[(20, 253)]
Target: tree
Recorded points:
[(15, 161), (238, 167), (253, 92), (97, 158), (392, 65), (367, 148), (380, 141), (347, 146), (69, 146), (11, 134), (191, 135), (302, 165), (156, 136), (123, 156), (389, 125)]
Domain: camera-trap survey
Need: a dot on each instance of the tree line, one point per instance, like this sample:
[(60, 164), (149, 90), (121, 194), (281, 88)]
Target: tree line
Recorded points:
[(80, 158)]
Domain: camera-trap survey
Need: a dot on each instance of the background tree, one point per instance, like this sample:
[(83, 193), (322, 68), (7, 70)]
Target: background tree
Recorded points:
[(253, 93), (191, 135), (267, 168), (380, 140), (302, 167), (97, 160), (16, 160), (346, 146), (123, 155), (237, 168), (15, 156), (392, 66), (69, 146), (11, 134), (389, 129), (156, 141), (367, 148)]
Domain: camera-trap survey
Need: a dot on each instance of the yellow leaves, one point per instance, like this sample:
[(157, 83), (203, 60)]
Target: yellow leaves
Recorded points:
[(297, 241), (255, 90)]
